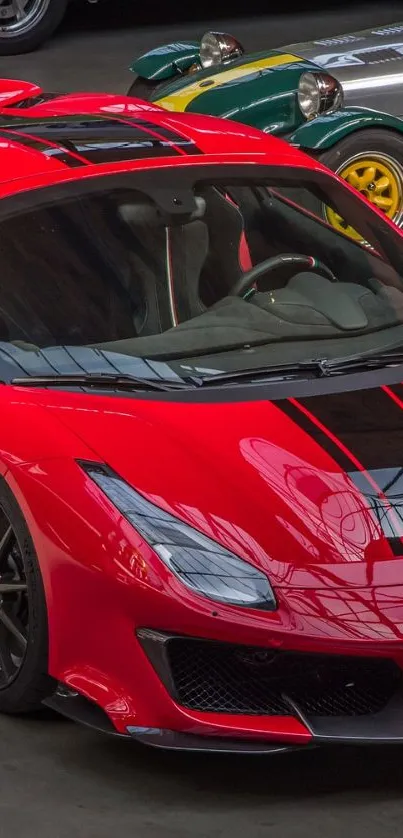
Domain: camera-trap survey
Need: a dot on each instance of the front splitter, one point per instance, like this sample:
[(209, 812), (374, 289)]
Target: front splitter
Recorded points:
[(383, 728), (172, 740)]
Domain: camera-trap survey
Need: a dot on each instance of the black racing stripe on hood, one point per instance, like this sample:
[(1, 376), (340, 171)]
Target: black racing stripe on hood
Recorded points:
[(189, 146), (100, 131), (94, 152), (93, 140), (292, 408), (363, 433), (59, 152), (119, 151), (367, 423)]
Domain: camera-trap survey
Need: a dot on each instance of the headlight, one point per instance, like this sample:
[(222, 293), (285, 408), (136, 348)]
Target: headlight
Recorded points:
[(199, 562), (218, 47), (319, 93)]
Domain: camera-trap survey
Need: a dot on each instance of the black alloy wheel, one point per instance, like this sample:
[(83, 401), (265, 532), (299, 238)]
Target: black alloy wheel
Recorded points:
[(14, 605), (24, 678), (26, 24)]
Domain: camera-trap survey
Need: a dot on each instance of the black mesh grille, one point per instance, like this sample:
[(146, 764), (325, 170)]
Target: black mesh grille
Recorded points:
[(221, 678)]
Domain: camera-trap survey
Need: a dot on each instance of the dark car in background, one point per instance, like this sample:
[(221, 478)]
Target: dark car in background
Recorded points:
[(27, 24)]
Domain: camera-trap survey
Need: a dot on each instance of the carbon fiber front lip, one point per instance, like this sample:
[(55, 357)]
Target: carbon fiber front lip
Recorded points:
[(79, 709), (384, 728), (171, 740)]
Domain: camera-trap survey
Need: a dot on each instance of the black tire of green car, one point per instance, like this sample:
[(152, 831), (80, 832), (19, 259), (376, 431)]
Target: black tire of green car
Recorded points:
[(143, 88), (24, 678), (379, 144), (42, 17)]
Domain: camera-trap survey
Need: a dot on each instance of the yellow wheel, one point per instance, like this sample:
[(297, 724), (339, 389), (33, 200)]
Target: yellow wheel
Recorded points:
[(380, 179)]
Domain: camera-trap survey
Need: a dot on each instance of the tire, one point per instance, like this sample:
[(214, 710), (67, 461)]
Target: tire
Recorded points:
[(143, 88), (383, 149), (41, 20), (31, 683)]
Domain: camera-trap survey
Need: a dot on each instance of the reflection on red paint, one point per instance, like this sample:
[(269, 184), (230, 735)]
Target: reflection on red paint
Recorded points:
[(371, 614), (332, 518)]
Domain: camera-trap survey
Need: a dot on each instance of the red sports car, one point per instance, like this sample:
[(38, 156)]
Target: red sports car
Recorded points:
[(201, 438)]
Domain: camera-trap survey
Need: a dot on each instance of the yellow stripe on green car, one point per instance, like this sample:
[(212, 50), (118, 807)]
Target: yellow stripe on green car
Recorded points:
[(180, 99)]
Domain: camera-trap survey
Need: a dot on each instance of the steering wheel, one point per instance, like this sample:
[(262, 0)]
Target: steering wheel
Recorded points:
[(248, 279)]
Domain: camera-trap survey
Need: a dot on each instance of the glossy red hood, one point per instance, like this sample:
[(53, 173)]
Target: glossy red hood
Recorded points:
[(310, 490)]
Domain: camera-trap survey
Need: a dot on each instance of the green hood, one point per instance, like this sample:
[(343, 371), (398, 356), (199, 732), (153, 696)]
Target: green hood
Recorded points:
[(260, 90)]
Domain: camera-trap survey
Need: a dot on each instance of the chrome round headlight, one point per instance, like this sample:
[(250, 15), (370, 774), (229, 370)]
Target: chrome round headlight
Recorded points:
[(319, 93), (217, 48)]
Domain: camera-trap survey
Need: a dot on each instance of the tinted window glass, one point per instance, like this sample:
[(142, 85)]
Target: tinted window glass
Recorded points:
[(75, 272), (119, 270)]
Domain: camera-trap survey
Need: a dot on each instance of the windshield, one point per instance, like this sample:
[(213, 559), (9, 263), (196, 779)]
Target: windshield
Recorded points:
[(213, 268)]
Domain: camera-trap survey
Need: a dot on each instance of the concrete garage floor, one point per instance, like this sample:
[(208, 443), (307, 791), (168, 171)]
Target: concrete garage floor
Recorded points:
[(61, 781)]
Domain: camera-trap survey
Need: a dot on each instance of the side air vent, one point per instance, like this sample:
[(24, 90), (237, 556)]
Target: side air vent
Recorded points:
[(32, 101)]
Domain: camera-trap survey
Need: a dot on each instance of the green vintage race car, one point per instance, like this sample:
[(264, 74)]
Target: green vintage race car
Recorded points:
[(310, 94)]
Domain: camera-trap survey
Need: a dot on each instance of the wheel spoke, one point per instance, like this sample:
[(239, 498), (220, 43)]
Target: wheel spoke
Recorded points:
[(18, 9), (354, 180), (381, 184), (10, 625), (14, 601), (367, 177), (6, 669), (5, 542), (382, 202), (13, 587)]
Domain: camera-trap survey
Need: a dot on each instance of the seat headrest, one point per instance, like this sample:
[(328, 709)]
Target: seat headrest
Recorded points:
[(200, 209), (140, 213)]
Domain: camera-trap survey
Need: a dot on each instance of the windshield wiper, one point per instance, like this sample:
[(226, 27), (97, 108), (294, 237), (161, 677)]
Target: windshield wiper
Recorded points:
[(355, 363), (284, 372), (100, 380), (314, 367), (310, 368)]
